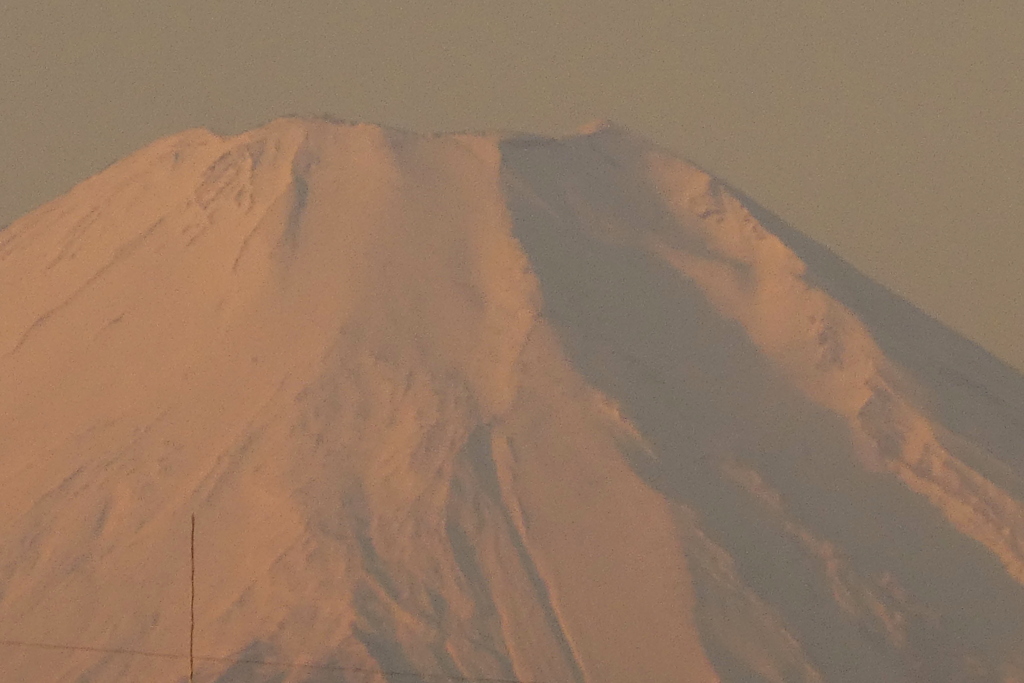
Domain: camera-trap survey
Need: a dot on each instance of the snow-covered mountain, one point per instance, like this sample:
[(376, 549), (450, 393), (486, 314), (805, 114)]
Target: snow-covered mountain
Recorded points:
[(496, 407)]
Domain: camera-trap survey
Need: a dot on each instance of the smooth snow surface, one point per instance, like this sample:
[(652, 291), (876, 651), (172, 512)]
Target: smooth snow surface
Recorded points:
[(500, 407)]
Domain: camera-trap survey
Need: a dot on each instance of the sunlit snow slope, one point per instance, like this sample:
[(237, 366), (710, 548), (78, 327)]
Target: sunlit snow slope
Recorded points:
[(489, 407)]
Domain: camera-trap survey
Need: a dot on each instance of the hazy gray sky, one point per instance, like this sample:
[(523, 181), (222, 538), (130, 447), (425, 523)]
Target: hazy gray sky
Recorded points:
[(891, 130)]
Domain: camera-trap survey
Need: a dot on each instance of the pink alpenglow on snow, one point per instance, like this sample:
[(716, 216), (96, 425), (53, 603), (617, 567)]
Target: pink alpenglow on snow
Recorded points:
[(495, 407)]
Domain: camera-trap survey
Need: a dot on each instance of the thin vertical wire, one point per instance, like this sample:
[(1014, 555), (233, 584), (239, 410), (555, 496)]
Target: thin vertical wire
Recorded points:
[(192, 608)]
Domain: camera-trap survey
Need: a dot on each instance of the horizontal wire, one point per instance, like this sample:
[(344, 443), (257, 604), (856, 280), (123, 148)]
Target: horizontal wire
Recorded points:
[(260, 662), (83, 648)]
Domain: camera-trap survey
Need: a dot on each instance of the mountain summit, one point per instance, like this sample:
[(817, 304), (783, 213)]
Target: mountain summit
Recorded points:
[(471, 407)]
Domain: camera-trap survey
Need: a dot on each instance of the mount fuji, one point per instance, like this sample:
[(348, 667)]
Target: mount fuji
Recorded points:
[(484, 407)]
